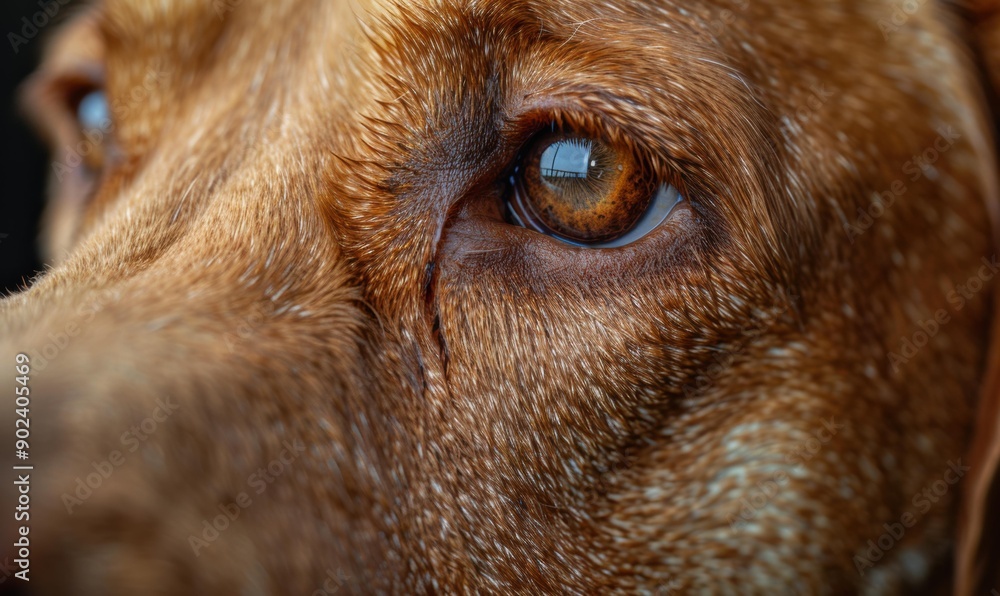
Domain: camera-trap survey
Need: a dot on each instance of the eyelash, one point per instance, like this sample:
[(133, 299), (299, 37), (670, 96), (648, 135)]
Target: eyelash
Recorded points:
[(533, 124)]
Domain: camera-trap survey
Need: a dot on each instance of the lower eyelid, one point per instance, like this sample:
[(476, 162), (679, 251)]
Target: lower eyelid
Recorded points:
[(666, 200)]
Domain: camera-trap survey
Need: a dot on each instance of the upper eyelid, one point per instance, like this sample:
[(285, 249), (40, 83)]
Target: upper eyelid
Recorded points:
[(42, 99), (596, 111)]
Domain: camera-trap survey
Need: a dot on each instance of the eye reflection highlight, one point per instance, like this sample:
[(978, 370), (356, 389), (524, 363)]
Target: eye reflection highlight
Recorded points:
[(567, 159)]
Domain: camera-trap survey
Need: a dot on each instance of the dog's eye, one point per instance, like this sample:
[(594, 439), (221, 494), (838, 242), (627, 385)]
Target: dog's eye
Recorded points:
[(584, 191), (92, 110), (94, 117)]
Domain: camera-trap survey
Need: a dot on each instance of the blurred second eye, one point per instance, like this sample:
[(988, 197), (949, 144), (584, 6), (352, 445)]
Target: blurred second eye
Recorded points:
[(94, 117)]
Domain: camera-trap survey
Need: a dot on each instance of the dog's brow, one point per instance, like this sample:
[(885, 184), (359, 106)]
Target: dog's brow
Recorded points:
[(185, 29), (141, 16)]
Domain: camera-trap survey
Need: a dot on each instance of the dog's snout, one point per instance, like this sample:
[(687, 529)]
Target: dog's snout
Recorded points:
[(124, 388)]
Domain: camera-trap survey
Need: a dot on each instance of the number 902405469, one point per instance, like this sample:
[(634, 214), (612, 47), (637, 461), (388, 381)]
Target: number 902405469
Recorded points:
[(22, 401)]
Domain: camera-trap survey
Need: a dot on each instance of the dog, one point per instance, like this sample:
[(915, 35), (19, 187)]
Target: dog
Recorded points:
[(530, 296)]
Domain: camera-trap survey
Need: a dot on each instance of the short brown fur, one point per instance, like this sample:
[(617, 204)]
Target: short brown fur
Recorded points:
[(298, 240)]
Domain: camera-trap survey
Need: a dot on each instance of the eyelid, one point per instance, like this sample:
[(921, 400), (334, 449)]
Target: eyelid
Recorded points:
[(593, 123), (49, 100), (661, 206)]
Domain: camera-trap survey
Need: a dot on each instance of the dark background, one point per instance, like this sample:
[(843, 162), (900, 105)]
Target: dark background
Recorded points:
[(25, 162)]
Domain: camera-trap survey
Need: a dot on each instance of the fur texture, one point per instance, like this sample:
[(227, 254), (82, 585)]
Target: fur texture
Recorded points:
[(296, 238)]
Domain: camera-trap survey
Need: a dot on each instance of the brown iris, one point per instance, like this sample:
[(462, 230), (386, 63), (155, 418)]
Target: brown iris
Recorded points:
[(581, 189)]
